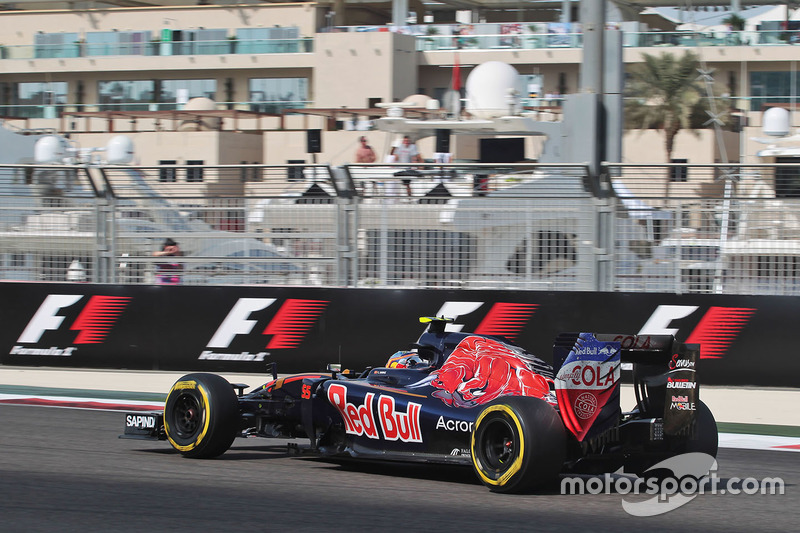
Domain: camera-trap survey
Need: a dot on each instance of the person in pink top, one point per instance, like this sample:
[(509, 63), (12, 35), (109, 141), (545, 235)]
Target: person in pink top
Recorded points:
[(169, 273)]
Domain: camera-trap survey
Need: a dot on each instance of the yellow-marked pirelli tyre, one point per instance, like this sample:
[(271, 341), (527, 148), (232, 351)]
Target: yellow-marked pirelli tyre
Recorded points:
[(518, 444), (201, 415)]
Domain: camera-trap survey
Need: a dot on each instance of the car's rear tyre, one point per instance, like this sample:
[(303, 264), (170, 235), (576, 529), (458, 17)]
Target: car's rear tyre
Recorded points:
[(518, 444), (201, 415), (705, 438)]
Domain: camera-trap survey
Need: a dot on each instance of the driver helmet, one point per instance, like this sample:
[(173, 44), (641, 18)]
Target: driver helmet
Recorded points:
[(403, 359)]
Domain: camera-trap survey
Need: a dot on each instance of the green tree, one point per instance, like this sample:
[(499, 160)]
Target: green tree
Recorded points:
[(663, 92), (736, 22)]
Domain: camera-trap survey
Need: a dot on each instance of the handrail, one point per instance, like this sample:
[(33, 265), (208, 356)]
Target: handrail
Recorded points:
[(653, 39)]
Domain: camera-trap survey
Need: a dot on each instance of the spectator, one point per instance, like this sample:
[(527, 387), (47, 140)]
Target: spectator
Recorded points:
[(364, 153), (169, 273), (407, 153)]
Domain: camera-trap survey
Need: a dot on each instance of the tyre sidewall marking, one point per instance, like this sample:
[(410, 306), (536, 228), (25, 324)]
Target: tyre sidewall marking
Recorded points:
[(517, 464), (181, 385)]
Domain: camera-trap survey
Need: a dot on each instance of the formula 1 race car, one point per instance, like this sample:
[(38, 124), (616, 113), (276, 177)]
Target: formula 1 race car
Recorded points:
[(468, 399)]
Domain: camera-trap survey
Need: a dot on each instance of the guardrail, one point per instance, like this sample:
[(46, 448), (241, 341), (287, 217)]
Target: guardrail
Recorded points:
[(52, 110), (530, 41), (298, 45), (432, 42), (721, 229)]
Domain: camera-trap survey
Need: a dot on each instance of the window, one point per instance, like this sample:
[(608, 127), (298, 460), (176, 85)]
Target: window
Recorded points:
[(562, 83), (128, 95), (268, 40), (249, 174), (167, 175), (117, 43), (194, 42), (169, 90), (787, 179), (679, 173), (211, 42), (30, 98), (194, 175), (772, 87), (50, 45), (295, 174), (273, 95)]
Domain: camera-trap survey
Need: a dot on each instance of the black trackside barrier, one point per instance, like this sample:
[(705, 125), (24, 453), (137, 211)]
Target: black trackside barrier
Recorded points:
[(745, 340)]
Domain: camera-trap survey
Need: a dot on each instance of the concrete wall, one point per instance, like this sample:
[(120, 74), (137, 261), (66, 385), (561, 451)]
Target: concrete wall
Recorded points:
[(211, 147), (276, 147), (698, 146), (351, 68)]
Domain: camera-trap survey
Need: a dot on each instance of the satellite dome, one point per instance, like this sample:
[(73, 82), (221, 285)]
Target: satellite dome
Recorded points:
[(418, 100), (776, 122), (493, 90), (50, 150), (200, 103), (119, 150)]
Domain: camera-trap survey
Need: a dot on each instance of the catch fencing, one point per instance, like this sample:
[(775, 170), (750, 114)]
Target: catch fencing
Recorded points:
[(721, 229)]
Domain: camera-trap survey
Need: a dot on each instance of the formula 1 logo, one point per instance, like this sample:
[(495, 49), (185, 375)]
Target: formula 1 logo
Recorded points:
[(715, 332), (93, 324), (504, 319), (287, 329)]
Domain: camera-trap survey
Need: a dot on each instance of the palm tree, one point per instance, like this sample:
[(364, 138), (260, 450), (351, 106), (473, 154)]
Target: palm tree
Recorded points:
[(663, 92), (736, 22)]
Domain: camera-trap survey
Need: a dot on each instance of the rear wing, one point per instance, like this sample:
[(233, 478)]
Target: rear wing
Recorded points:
[(664, 372)]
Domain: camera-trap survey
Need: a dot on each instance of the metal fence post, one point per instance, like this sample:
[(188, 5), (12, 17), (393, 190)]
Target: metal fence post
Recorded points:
[(604, 245)]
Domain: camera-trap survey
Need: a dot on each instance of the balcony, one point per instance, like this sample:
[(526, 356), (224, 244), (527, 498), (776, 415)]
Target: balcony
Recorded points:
[(533, 41), (298, 45)]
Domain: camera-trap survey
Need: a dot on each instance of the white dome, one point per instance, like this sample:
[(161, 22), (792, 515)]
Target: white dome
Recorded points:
[(776, 122), (418, 100), (493, 89), (119, 150), (50, 150), (200, 103)]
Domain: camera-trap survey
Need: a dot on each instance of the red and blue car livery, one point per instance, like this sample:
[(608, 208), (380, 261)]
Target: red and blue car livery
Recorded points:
[(468, 399)]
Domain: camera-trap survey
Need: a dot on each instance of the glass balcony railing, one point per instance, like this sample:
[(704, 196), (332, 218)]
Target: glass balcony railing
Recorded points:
[(630, 39), (716, 38), (159, 48), (499, 41), (424, 43), (50, 111)]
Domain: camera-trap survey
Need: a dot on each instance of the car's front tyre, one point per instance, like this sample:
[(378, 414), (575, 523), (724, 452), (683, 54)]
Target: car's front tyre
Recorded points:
[(201, 415), (518, 443)]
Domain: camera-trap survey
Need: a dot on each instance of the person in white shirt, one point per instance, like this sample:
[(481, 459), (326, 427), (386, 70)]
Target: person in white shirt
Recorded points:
[(407, 153)]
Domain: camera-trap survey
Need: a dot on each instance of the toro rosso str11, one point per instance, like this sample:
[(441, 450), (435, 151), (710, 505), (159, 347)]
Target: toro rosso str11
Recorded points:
[(466, 399)]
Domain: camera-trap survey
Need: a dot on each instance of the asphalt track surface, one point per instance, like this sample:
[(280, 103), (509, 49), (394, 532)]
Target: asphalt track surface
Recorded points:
[(66, 470)]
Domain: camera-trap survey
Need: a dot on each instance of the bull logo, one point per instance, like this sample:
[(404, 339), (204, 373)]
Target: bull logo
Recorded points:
[(480, 370)]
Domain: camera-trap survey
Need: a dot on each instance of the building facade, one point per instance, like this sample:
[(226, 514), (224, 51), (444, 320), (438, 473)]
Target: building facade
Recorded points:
[(270, 70)]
